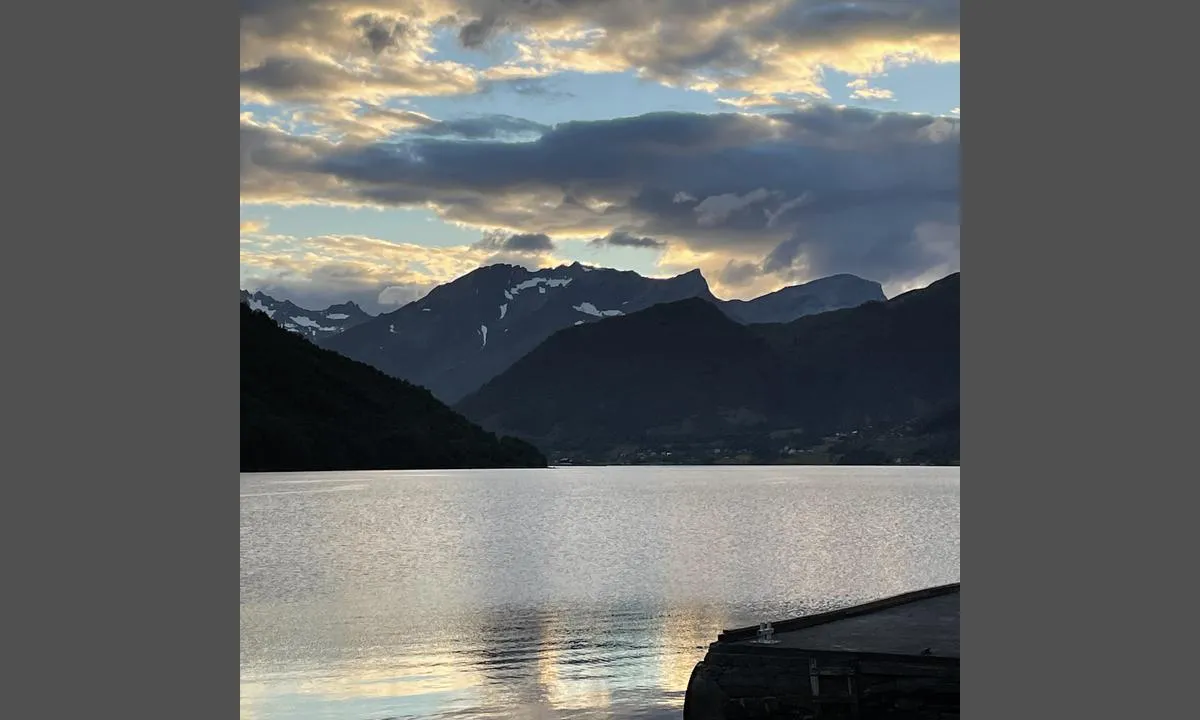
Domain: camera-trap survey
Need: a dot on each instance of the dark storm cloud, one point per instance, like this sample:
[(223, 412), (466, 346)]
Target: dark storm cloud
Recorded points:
[(518, 243), (485, 127), (817, 20), (380, 33), (890, 243), (476, 32), (621, 238), (818, 190), (807, 18)]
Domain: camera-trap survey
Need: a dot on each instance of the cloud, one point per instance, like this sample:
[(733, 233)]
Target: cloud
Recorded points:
[(715, 209), (500, 241), (899, 243), (381, 33), (318, 271), (776, 216), (313, 51), (317, 80), (538, 87), (813, 191), (622, 238), (253, 226), (318, 54), (358, 121), (738, 272), (484, 127), (394, 296), (762, 48), (750, 101), (864, 91)]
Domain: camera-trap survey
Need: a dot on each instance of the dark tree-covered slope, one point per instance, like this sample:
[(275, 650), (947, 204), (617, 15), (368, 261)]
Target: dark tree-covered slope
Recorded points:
[(685, 370), (674, 369), (306, 408), (878, 363)]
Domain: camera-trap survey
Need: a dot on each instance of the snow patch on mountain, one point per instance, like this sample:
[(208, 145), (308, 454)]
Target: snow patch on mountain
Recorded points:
[(304, 321), (589, 309), (540, 283), (315, 324), (483, 333), (503, 310), (257, 305)]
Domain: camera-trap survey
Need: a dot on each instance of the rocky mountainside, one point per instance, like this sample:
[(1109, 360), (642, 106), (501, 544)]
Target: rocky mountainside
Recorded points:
[(313, 324), (822, 295), (466, 332)]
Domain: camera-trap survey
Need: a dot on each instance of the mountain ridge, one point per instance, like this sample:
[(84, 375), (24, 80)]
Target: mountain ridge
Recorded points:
[(677, 373), (833, 292), (466, 332), (328, 322)]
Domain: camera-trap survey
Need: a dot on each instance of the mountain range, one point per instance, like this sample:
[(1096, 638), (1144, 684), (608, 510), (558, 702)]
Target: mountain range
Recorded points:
[(313, 324), (597, 365), (304, 408), (822, 295), (466, 332), (685, 374)]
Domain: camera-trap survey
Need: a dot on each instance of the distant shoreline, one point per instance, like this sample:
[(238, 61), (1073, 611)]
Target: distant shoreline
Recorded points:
[(750, 464), (559, 466)]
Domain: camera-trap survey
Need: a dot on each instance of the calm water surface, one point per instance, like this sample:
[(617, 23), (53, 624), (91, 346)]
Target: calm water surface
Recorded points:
[(561, 593)]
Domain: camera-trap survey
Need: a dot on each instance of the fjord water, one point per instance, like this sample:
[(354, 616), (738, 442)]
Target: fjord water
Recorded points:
[(560, 593)]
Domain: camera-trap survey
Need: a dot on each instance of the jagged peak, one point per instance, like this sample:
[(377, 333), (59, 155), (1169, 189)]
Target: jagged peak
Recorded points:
[(692, 277), (348, 305)]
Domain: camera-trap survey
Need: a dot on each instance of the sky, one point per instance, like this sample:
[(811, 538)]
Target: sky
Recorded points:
[(390, 146)]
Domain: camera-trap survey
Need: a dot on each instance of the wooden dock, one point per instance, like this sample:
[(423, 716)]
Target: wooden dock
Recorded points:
[(894, 658)]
